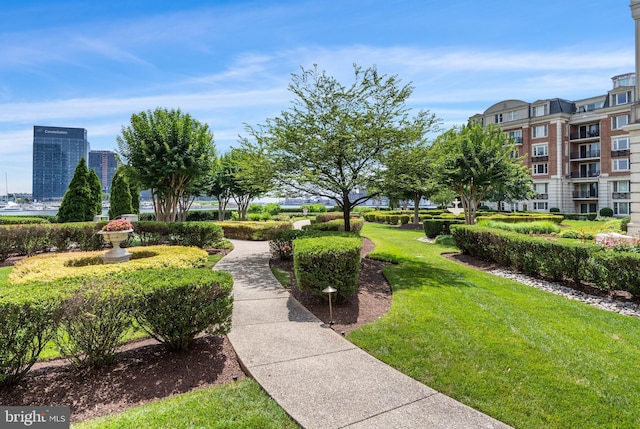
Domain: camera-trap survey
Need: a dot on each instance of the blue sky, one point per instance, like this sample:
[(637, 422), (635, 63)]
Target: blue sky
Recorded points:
[(92, 64)]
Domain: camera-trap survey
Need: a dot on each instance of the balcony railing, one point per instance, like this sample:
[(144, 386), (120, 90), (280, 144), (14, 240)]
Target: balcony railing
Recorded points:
[(624, 152), (585, 194), (586, 154), (541, 197), (584, 135), (540, 158), (584, 174), (621, 195)]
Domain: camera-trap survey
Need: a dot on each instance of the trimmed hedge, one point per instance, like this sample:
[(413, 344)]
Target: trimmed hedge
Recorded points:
[(436, 227), (192, 300), (79, 264), (336, 225), (255, 231), (525, 217), (320, 262), (21, 220)]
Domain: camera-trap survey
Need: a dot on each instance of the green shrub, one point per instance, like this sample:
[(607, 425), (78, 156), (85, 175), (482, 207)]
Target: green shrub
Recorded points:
[(327, 217), (537, 227), (320, 262), (174, 306), (335, 225), (606, 212), (27, 322), (93, 323), (272, 209), (592, 216), (254, 208), (436, 227), (21, 220), (445, 240), (255, 231), (570, 234), (404, 219), (199, 234), (554, 210), (525, 217), (623, 224), (615, 271), (314, 208)]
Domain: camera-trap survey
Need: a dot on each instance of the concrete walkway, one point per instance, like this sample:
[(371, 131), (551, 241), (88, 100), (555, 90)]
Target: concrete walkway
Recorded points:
[(319, 378)]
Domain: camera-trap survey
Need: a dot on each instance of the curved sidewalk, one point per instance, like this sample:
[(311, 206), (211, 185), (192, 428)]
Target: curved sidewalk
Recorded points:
[(318, 377)]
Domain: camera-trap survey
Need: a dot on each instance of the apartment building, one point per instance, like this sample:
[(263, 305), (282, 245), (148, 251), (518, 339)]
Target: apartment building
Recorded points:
[(577, 151)]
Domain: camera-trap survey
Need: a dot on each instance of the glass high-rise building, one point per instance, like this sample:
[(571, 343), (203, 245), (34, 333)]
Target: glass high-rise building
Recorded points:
[(56, 153), (105, 164)]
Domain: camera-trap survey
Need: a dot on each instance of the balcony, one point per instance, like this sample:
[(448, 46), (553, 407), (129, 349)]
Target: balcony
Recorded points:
[(585, 135), (543, 158), (584, 174), (624, 152), (585, 194), (586, 154), (621, 196), (541, 197)]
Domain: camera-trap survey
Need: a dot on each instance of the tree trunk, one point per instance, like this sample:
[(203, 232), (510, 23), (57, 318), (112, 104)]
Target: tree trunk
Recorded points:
[(416, 208)]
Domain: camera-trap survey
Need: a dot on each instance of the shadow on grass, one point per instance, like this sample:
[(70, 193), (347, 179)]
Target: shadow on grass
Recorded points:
[(410, 274)]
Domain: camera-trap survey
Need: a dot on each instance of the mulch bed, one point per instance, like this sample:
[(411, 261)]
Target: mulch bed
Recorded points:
[(145, 371)]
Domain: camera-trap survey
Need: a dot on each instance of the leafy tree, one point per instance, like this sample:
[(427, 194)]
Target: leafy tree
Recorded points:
[(77, 203), (517, 189), (408, 175), (252, 175), (167, 151), (220, 180), (120, 195), (96, 191), (335, 139), (472, 160)]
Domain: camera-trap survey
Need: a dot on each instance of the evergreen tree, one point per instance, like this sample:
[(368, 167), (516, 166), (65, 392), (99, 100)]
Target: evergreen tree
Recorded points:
[(96, 192), (120, 195), (77, 204)]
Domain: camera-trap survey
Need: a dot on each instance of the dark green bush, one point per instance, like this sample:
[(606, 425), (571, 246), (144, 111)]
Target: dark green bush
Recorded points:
[(26, 325), (200, 234), (606, 212), (93, 323), (333, 261), (255, 231), (445, 240), (554, 210), (623, 224), (174, 306), (615, 271), (525, 217), (436, 227), (335, 225), (326, 217)]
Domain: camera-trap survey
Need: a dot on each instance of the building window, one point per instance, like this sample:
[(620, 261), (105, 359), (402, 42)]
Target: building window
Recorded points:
[(621, 186), (537, 205), (621, 98), (622, 208), (619, 121), (516, 135), (541, 188), (539, 110), (621, 143), (513, 116), (539, 131), (539, 169), (540, 150), (621, 164), (498, 118)]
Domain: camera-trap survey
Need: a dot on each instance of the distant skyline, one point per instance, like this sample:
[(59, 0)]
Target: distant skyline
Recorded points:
[(93, 64)]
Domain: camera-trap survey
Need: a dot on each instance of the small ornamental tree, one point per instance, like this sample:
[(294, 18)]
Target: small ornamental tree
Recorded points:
[(77, 204), (96, 191), (120, 195)]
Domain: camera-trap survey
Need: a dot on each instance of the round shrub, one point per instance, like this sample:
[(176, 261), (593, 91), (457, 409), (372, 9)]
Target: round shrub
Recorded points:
[(445, 240), (328, 261), (174, 306), (606, 212)]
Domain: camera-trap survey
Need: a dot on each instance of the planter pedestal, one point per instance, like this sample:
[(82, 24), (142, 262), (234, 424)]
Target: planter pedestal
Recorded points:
[(117, 254)]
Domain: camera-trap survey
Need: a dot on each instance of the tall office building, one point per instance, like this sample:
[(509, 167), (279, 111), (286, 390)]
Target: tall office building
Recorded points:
[(105, 164), (578, 151), (56, 152)]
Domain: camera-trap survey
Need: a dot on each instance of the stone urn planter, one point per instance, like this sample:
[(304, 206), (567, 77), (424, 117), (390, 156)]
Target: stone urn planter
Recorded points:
[(115, 232)]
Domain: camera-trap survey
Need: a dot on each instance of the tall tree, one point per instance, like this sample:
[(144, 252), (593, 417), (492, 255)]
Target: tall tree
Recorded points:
[(120, 195), (167, 150), (472, 160), (335, 139), (77, 204), (96, 191)]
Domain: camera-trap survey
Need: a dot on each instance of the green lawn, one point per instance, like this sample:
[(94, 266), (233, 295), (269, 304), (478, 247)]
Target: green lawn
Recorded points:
[(592, 227), (234, 406), (528, 358)]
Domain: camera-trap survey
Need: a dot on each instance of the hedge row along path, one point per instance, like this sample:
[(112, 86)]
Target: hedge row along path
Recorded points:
[(321, 379)]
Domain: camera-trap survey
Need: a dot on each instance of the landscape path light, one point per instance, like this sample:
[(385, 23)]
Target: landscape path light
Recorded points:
[(329, 291)]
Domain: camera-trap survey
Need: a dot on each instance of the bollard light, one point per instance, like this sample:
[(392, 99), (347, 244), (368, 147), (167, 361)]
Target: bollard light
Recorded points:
[(329, 291)]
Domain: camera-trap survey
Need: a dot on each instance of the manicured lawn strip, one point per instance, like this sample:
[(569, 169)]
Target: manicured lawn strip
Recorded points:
[(528, 358), (239, 405), (593, 227)]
